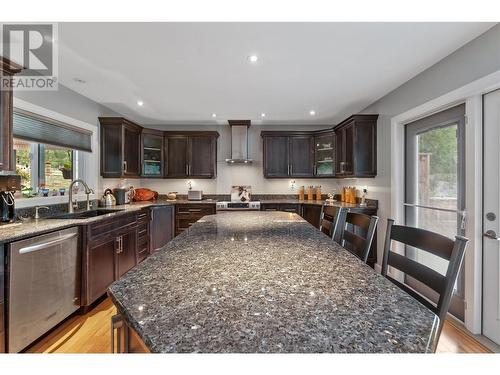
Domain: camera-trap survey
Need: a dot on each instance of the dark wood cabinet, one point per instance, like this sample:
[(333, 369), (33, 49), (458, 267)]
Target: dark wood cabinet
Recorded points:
[(187, 214), (152, 153), (311, 213), (101, 266), (301, 156), (324, 154), (162, 226), (126, 256), (285, 207), (120, 148), (7, 162), (287, 154), (191, 154), (356, 146), (111, 251), (2, 299), (347, 150)]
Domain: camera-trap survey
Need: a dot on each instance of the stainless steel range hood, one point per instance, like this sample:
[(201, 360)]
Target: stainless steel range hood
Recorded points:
[(239, 142)]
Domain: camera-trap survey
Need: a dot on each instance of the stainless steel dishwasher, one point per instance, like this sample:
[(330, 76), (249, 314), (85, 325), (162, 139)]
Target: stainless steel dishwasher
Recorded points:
[(44, 285)]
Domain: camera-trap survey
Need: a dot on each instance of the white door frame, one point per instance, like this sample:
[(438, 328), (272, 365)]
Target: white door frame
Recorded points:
[(471, 95)]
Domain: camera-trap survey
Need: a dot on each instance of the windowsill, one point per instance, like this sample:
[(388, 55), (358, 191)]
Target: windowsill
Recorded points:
[(38, 201)]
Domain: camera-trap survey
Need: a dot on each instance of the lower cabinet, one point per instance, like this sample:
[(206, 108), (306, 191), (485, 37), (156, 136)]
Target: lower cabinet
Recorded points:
[(162, 226), (311, 213), (188, 214), (285, 207), (111, 252)]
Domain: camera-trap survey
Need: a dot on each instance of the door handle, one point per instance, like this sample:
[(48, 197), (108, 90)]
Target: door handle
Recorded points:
[(41, 246), (124, 167), (491, 234)]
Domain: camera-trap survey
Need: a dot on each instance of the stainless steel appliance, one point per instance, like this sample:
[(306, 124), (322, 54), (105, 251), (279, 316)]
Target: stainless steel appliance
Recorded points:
[(8, 185), (44, 285), (238, 206), (195, 195)]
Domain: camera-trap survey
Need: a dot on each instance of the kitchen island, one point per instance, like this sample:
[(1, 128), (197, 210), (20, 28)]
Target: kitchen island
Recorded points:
[(266, 282)]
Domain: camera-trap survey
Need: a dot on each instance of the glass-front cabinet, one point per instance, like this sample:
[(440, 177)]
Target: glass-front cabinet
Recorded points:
[(324, 155), (152, 153)]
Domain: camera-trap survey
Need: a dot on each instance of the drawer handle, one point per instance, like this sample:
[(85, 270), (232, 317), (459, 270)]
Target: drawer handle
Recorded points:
[(195, 210), (142, 231)]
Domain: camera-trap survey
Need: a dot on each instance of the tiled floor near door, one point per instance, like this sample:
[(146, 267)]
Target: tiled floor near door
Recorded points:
[(90, 333)]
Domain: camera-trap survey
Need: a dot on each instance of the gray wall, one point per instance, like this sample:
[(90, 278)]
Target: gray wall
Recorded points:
[(474, 60)]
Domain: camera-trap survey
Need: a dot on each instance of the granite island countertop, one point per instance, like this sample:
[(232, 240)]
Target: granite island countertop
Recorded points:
[(266, 282)]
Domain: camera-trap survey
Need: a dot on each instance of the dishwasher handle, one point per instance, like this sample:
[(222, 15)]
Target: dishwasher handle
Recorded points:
[(41, 246)]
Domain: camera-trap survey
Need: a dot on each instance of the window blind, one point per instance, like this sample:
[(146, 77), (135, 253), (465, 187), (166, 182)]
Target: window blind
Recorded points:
[(35, 128)]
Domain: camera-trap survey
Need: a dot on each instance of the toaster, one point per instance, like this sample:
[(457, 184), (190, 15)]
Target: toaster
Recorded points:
[(195, 195)]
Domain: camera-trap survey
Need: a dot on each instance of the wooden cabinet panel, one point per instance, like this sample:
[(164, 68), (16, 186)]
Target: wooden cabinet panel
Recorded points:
[(127, 256), (187, 214), (201, 157), (120, 148), (311, 213), (177, 157), (7, 69), (162, 226), (301, 156), (152, 153), (101, 272), (131, 151), (285, 207), (276, 156)]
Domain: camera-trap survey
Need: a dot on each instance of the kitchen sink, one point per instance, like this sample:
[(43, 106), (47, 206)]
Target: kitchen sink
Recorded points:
[(83, 214)]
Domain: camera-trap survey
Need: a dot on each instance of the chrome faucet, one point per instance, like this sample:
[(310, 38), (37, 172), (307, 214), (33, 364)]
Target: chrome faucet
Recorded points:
[(88, 191)]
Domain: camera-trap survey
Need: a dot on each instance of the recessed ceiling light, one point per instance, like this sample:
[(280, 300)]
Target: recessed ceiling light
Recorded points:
[(79, 80), (140, 103), (262, 115), (312, 112), (253, 58), (214, 115)]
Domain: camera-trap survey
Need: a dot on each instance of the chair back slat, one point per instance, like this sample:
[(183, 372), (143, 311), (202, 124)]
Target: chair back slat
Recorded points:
[(422, 239), (432, 243), (328, 221), (418, 271), (356, 233), (354, 243)]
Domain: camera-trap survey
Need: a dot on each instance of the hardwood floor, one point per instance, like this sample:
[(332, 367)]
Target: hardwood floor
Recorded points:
[(90, 333)]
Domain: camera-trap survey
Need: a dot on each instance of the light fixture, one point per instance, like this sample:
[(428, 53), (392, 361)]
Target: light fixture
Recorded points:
[(312, 112), (253, 58), (79, 80), (140, 103), (214, 115), (262, 114)]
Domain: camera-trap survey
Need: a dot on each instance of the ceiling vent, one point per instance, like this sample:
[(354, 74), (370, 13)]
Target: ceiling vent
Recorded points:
[(239, 142)]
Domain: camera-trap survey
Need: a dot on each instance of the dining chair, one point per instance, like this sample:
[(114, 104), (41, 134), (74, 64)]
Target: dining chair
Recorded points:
[(432, 243), (329, 219), (356, 231)]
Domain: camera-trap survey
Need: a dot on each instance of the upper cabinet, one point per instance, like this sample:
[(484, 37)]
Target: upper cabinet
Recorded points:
[(288, 154), (7, 68), (356, 143), (347, 150), (190, 154), (152, 153), (120, 148), (324, 154)]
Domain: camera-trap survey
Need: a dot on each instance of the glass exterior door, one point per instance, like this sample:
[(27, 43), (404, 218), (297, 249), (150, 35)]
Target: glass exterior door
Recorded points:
[(435, 189)]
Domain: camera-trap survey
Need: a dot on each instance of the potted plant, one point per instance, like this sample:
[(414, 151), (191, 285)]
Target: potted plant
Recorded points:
[(67, 171)]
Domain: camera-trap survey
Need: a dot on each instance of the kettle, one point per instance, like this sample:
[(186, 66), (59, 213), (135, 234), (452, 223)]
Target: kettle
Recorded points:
[(108, 199)]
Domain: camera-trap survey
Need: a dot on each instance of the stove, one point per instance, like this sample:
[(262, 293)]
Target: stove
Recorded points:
[(238, 206)]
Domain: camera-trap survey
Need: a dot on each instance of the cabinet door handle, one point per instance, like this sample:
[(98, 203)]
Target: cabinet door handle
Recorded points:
[(117, 239), (125, 166), (291, 169), (187, 170)]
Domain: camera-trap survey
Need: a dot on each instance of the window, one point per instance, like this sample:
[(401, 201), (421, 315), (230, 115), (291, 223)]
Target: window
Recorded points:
[(44, 166)]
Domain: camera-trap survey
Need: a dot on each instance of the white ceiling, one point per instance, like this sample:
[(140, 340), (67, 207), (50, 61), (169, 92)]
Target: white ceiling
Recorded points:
[(184, 72)]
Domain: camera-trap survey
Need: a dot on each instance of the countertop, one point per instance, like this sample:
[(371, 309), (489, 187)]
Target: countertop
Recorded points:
[(266, 282), (32, 227)]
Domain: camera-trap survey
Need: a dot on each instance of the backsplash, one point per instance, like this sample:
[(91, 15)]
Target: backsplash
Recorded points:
[(53, 209)]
